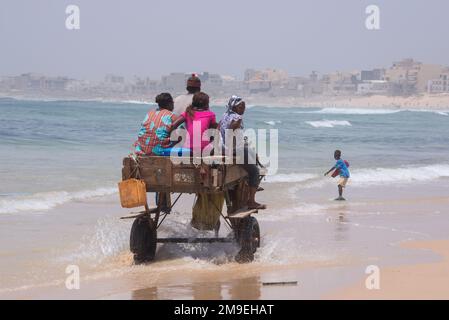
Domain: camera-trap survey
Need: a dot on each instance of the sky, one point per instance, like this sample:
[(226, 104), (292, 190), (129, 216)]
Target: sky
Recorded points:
[(155, 37)]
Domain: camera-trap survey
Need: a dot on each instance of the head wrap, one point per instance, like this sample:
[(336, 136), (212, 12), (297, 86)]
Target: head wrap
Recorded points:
[(234, 101)]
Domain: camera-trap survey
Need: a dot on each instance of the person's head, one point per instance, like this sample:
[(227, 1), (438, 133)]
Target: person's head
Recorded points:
[(237, 105), (200, 101), (165, 101), (337, 154), (193, 84), (240, 108)]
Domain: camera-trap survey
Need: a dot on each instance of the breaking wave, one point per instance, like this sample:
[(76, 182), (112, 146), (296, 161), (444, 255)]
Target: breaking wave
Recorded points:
[(367, 176), (329, 123), (48, 200)]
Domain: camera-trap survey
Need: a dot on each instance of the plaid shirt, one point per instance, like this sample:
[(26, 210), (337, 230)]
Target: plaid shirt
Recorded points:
[(154, 134)]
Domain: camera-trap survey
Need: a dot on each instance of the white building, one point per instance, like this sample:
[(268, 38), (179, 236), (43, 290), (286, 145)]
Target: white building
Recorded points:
[(440, 85), (371, 87)]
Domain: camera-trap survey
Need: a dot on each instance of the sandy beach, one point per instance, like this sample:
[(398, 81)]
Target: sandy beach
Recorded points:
[(417, 102)]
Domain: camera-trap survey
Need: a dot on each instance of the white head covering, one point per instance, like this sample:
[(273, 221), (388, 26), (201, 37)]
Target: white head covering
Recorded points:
[(233, 101)]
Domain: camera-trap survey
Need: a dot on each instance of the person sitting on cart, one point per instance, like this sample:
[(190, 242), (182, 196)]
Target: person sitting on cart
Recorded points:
[(197, 118), (154, 134), (233, 120)]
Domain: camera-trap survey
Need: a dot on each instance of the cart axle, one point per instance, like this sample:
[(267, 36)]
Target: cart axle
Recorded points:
[(195, 240)]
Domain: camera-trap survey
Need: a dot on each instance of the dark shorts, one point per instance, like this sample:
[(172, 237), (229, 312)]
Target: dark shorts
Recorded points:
[(253, 174)]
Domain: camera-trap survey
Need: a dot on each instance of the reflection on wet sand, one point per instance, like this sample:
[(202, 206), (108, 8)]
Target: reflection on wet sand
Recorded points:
[(342, 227), (207, 291), (145, 294), (247, 289)]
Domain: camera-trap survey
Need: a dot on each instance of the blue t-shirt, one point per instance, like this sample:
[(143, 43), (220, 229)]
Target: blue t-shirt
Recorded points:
[(344, 171)]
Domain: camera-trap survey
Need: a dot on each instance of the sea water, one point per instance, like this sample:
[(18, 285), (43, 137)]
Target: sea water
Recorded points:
[(54, 152)]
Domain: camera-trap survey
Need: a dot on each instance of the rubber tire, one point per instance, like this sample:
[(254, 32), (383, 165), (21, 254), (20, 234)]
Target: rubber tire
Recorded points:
[(248, 237), (142, 240)]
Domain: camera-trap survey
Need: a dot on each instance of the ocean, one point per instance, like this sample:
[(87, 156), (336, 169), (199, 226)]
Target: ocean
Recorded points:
[(53, 152)]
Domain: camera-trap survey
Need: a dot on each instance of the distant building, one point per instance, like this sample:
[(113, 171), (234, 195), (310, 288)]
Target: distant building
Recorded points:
[(257, 86), (370, 75), (114, 79), (340, 83), (211, 82), (144, 86), (409, 76), (440, 85), (174, 82), (403, 76), (380, 87), (426, 73)]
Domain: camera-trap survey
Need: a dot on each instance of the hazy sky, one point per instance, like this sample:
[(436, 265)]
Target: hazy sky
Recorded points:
[(152, 37)]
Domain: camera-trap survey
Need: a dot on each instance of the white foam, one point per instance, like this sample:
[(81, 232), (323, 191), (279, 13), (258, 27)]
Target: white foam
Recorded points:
[(137, 102), (329, 123), (272, 122), (367, 176), (400, 175), (48, 200), (352, 111)]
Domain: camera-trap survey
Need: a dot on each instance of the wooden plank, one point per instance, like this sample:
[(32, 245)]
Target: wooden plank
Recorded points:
[(242, 213), (134, 215)]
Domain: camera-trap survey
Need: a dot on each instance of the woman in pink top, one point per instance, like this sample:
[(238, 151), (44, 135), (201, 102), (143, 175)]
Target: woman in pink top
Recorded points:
[(198, 118)]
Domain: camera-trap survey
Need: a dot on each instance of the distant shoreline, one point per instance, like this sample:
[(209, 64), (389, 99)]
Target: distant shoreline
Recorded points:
[(421, 102), (417, 102)]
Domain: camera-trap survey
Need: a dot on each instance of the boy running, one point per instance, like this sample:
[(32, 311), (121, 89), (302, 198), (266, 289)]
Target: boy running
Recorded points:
[(344, 174)]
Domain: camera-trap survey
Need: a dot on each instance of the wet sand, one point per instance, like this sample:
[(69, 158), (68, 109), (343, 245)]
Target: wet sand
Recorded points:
[(416, 281), (323, 245)]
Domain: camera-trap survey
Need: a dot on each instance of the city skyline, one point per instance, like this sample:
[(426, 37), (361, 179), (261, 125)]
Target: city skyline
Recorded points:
[(405, 77)]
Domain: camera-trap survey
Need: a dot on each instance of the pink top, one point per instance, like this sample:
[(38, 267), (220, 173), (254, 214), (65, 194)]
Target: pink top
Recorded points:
[(201, 121)]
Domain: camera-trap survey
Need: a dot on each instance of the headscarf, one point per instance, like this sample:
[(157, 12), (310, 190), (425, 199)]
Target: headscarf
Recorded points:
[(233, 101)]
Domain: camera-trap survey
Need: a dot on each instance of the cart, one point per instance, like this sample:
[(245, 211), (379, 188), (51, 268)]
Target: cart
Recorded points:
[(207, 176)]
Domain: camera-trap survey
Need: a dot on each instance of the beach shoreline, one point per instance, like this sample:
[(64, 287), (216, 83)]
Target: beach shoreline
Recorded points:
[(416, 102)]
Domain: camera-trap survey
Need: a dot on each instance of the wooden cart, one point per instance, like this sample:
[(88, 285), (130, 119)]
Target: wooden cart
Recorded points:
[(187, 176)]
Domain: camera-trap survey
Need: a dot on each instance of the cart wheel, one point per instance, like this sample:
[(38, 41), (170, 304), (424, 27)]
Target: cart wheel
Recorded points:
[(248, 238), (142, 240)]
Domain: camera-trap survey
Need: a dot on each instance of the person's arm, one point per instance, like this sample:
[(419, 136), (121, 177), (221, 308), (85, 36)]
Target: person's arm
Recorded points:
[(177, 123), (333, 168), (236, 124)]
